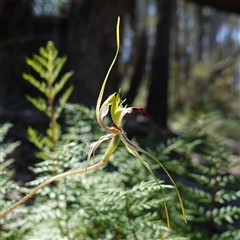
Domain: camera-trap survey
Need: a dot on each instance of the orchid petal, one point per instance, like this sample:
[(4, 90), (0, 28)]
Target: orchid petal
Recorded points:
[(108, 72), (104, 111), (112, 146), (134, 150), (93, 148), (105, 106), (117, 118), (118, 111), (95, 145)]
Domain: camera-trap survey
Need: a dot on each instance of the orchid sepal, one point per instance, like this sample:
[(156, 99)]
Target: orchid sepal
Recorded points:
[(109, 70), (103, 112), (134, 151)]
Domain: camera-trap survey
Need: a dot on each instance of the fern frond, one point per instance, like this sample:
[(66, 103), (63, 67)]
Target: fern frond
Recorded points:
[(40, 69), (40, 60), (57, 67), (62, 101), (39, 140), (230, 234), (41, 86), (6, 148), (223, 196), (9, 190), (4, 128), (199, 194), (228, 213), (59, 85), (39, 103)]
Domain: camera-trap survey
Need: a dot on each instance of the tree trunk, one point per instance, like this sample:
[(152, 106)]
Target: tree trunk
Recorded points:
[(157, 104), (200, 33)]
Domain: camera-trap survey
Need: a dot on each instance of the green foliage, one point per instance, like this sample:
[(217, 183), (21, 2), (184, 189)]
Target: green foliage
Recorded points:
[(5, 148), (211, 193), (89, 208), (126, 203), (203, 164), (9, 190), (48, 65), (123, 203), (119, 200)]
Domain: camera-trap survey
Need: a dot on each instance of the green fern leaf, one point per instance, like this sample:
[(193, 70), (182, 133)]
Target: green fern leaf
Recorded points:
[(62, 101), (39, 103), (58, 86)]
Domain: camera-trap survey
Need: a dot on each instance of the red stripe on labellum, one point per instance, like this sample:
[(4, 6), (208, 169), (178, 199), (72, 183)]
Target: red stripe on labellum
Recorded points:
[(114, 125), (142, 110)]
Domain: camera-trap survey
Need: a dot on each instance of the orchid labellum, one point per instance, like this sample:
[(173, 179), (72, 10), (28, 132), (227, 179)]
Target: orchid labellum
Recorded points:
[(115, 135)]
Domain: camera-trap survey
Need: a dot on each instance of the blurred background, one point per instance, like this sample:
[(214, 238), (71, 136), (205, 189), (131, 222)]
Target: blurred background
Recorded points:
[(178, 59)]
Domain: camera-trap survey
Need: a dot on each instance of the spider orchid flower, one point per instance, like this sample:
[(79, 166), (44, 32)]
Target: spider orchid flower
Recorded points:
[(115, 135)]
